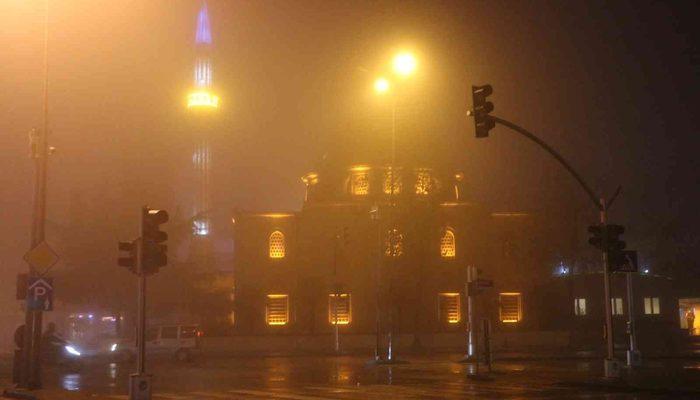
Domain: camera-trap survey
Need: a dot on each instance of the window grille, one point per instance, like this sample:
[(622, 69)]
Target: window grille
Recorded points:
[(423, 183), (393, 243), (449, 308), (359, 182), (447, 244), (339, 309), (510, 307), (277, 248), (277, 309), (387, 181)]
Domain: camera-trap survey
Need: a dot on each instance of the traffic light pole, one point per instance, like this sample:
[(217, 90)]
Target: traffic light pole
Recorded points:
[(141, 329), (611, 365)]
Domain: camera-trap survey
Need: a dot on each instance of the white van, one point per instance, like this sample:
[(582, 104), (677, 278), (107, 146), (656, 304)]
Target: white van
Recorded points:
[(181, 341)]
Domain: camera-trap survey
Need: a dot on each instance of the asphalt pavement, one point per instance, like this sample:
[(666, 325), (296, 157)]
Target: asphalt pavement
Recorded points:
[(352, 377)]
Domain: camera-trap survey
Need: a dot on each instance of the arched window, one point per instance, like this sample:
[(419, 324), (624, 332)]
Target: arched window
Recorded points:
[(277, 247), (447, 244), (393, 243)]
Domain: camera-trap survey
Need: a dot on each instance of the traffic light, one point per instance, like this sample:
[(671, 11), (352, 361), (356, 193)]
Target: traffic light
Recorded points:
[(155, 253), (615, 247), (597, 239), (482, 121), (130, 260)]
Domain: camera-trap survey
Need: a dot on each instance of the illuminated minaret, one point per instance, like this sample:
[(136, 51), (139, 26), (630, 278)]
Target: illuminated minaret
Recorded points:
[(202, 101)]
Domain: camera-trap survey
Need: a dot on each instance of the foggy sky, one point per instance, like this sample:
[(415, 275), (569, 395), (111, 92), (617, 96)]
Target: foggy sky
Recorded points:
[(612, 86)]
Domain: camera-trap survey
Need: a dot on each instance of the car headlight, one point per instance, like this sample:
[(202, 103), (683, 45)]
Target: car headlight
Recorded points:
[(113, 347), (72, 350)]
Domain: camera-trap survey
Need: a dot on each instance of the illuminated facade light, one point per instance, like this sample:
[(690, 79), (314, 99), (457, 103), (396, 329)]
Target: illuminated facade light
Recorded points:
[(449, 308), (393, 243), (203, 35), (277, 245), (447, 244), (388, 180), (202, 99), (277, 309), (339, 309), (510, 307)]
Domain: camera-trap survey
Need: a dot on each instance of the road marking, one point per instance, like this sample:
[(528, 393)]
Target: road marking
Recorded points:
[(279, 395)]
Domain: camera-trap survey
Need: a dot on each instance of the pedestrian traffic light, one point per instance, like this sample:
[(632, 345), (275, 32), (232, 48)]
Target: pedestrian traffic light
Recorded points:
[(155, 253), (482, 120), (597, 236), (129, 261), (615, 247)]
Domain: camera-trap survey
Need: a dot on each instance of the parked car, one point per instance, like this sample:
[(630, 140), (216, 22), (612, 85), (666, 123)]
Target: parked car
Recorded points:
[(181, 341)]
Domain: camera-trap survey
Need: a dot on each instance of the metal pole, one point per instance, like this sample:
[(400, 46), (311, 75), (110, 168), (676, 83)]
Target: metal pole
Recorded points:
[(141, 330), (633, 355), (378, 278), (335, 288), (30, 376), (610, 366), (392, 237), (470, 312)]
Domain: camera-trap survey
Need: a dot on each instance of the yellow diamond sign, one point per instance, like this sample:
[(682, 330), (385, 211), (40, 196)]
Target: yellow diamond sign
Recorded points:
[(41, 257)]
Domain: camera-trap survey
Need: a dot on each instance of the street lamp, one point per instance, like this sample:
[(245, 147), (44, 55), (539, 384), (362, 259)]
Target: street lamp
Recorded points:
[(404, 64), (381, 85)]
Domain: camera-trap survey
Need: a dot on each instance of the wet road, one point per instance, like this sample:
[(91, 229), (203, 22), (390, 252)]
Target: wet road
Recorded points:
[(315, 378)]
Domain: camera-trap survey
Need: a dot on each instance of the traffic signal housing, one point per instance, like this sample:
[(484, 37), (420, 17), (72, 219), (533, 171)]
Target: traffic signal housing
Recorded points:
[(482, 120), (615, 247), (130, 260), (155, 252), (597, 236)]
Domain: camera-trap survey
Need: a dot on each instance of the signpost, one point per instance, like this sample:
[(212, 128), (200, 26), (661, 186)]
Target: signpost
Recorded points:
[(40, 294)]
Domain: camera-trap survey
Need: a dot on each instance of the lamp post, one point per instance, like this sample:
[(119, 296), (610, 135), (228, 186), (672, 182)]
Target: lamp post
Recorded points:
[(404, 65)]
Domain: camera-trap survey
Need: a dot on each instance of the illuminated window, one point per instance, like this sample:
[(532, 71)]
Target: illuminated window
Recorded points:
[(447, 244), (277, 245), (277, 309), (580, 306), (339, 309), (359, 181), (393, 243), (651, 306), (510, 307), (386, 187), (448, 308), (616, 303), (423, 183)]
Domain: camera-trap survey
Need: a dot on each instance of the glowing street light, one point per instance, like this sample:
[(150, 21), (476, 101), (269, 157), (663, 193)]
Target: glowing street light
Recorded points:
[(381, 85), (404, 64)]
